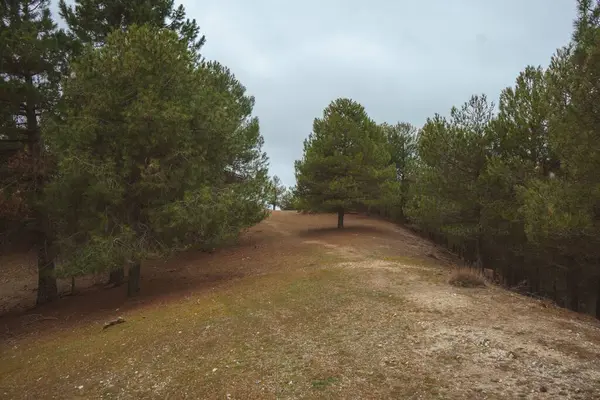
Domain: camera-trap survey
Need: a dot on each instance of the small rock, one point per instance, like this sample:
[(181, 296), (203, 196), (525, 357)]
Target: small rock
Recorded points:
[(228, 396), (543, 389), (290, 382), (214, 369), (80, 387), (495, 380), (379, 345)]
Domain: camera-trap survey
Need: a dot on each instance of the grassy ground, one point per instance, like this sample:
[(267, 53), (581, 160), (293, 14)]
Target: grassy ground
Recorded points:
[(301, 311)]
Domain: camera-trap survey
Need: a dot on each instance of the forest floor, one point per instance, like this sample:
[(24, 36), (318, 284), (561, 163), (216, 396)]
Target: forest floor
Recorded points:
[(297, 310)]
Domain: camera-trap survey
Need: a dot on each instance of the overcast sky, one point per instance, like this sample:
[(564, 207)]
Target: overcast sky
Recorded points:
[(404, 60)]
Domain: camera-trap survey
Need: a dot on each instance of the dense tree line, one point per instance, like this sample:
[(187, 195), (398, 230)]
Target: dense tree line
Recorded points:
[(118, 141), (515, 188)]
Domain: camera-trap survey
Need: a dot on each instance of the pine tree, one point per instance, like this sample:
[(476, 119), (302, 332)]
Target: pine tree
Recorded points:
[(155, 154), (288, 200), (32, 60), (563, 215), (452, 156), (402, 146), (345, 162), (521, 152), (92, 20), (277, 191)]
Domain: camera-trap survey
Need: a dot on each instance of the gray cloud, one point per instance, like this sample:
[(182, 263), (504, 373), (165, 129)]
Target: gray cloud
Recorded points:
[(404, 60)]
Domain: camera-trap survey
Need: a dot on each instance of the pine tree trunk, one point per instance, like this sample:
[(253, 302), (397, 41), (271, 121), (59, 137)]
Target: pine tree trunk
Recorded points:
[(273, 207), (117, 277), (133, 281), (573, 286), (47, 288), (598, 300), (555, 286), (340, 218), (479, 249)]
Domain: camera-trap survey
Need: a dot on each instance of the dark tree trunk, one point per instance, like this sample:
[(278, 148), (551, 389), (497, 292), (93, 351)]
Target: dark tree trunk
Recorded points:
[(133, 281), (573, 286), (273, 207), (532, 277), (555, 286), (47, 288), (598, 300), (479, 252), (340, 218), (117, 277)]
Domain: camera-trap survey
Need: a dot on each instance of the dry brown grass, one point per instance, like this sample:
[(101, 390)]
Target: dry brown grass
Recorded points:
[(467, 278)]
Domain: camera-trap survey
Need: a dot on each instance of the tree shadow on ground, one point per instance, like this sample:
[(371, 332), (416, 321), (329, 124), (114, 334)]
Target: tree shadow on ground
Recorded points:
[(348, 230), (162, 281)]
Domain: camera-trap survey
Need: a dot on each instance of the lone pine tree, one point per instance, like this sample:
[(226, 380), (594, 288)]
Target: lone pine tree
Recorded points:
[(277, 190), (345, 162)]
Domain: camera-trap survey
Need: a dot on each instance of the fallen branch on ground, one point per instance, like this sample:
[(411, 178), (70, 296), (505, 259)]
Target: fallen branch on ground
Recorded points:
[(117, 321)]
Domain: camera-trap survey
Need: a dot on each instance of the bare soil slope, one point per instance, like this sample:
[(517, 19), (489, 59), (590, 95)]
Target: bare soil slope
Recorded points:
[(300, 310)]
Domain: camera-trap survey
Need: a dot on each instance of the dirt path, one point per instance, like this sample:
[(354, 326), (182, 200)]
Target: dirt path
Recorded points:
[(300, 310)]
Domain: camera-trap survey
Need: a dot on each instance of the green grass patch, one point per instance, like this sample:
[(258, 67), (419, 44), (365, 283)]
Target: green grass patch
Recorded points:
[(321, 384)]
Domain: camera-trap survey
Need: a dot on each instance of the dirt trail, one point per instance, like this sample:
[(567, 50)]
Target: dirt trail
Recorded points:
[(298, 310)]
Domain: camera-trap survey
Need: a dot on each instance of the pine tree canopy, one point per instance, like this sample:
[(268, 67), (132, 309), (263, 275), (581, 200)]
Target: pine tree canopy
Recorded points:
[(91, 21), (146, 150), (31, 64)]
